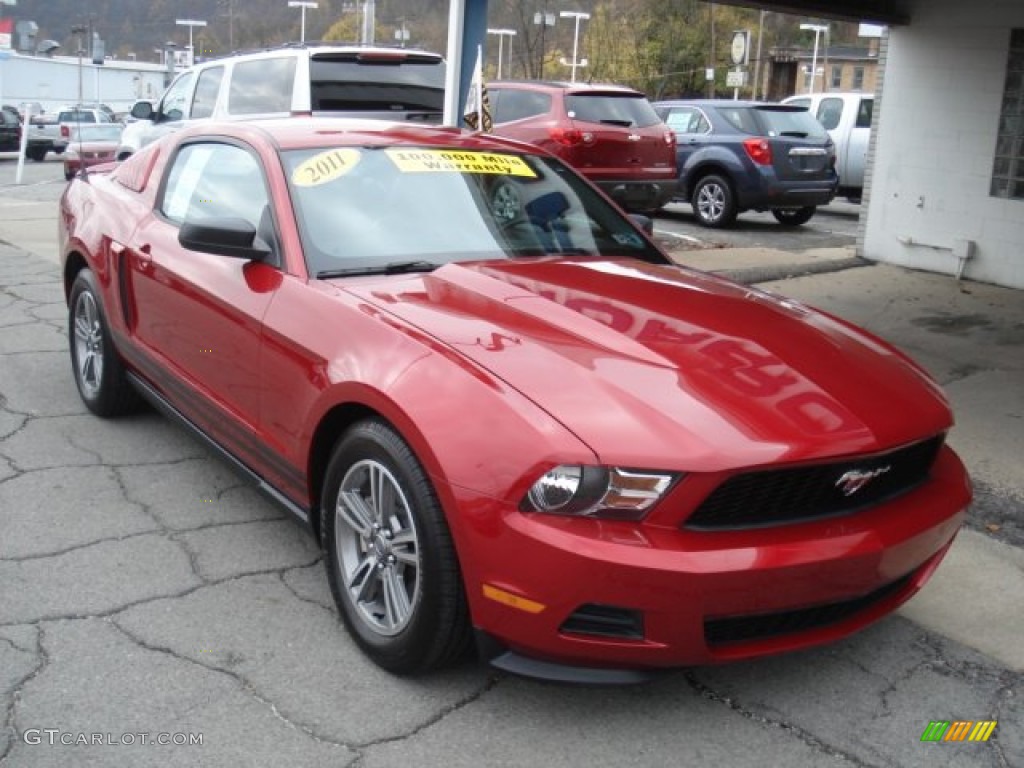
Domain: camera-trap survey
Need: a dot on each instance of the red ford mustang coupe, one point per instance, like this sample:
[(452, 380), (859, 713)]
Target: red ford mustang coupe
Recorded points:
[(499, 406)]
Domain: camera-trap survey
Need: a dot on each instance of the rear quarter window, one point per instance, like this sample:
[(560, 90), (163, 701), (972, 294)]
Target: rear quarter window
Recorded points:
[(512, 105), (626, 110), (262, 86)]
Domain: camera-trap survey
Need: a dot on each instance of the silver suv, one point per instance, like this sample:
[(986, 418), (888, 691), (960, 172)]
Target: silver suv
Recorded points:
[(387, 83)]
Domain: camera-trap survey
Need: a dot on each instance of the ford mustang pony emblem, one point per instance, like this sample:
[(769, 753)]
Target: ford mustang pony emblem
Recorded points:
[(851, 482)]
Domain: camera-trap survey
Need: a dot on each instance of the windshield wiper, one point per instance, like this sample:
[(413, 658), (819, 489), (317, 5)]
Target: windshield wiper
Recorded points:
[(393, 268), (623, 123), (795, 134)]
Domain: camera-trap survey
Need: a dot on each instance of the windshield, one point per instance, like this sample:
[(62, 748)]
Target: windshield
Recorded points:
[(361, 207)]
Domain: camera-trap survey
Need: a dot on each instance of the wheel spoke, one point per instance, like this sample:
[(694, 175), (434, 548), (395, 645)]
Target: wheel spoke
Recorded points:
[(403, 547), (82, 328), (353, 510), (89, 368), (396, 601), (362, 582), (382, 495)]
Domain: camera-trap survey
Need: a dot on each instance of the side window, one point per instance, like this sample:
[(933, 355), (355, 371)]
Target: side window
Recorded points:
[(207, 88), (518, 105), (211, 180), (687, 120), (864, 112), (175, 101), (262, 86), (829, 113)]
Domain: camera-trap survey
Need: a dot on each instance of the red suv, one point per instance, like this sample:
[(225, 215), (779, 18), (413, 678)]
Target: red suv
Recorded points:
[(610, 134)]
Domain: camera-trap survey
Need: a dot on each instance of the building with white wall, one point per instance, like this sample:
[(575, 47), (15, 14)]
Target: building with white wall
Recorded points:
[(947, 173), (54, 81)]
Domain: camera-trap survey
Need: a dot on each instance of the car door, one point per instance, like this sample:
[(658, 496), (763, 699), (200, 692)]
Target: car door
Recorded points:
[(198, 316)]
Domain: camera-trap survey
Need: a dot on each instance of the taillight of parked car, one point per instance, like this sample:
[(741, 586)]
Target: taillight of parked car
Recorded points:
[(670, 138), (760, 151), (65, 132), (570, 137)]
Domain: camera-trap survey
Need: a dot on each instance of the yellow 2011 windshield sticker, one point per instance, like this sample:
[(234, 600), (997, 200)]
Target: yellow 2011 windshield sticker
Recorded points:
[(457, 161), (325, 166)]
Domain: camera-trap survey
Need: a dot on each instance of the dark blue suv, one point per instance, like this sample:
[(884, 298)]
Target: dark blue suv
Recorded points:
[(735, 156)]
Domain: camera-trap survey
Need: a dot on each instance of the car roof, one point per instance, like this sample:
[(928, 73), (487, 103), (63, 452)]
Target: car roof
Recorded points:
[(560, 85), (316, 49), (717, 103), (310, 132)]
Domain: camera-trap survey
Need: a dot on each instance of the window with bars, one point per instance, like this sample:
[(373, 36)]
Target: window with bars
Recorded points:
[(1008, 167)]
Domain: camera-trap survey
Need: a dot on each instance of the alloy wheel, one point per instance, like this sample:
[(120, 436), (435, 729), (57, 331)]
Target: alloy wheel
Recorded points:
[(378, 552)]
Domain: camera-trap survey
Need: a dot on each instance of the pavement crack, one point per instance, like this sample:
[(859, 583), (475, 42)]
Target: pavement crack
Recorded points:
[(243, 683), (302, 598), (76, 547), (193, 556), (465, 701), (11, 712), (804, 736)]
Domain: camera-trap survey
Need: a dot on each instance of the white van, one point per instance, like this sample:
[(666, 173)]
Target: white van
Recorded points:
[(847, 118), (386, 83)]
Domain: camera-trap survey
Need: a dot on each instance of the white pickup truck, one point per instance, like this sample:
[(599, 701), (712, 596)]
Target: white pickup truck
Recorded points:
[(847, 118)]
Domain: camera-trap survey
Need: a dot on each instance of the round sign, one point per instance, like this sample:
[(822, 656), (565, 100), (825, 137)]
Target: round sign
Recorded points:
[(739, 47)]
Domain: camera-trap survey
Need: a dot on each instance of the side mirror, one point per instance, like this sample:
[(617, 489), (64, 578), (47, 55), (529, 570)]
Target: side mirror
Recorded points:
[(646, 223), (227, 236), (142, 111)]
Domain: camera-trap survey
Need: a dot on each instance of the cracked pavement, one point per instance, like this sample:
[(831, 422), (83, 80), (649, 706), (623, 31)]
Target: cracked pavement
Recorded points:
[(144, 590)]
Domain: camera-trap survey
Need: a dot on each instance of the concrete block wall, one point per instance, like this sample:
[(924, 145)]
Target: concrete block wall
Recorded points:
[(935, 135)]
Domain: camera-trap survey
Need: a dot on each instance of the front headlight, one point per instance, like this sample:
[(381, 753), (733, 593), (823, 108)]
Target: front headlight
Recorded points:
[(605, 492)]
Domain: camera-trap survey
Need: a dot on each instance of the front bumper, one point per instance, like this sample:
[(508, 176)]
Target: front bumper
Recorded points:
[(702, 597)]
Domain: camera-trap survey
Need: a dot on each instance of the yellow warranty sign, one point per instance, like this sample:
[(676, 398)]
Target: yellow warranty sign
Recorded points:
[(457, 161), (325, 166)]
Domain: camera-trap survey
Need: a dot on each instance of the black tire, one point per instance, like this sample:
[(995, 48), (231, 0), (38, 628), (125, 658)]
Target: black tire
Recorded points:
[(793, 217), (714, 203), (38, 155), (95, 363), (422, 622)]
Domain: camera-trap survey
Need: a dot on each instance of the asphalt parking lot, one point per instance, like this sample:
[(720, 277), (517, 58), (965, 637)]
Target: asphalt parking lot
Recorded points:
[(146, 595)]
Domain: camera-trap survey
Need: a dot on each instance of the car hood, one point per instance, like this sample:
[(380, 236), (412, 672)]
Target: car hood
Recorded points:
[(652, 365)]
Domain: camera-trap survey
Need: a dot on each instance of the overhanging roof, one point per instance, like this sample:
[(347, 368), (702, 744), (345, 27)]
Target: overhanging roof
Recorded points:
[(878, 11)]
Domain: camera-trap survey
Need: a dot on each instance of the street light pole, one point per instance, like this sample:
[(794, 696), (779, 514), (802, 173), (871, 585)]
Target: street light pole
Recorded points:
[(79, 30), (190, 23), (545, 20), (502, 34), (303, 4), (818, 29), (578, 15)]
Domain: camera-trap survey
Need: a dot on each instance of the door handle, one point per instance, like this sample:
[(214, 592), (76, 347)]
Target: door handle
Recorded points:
[(144, 257)]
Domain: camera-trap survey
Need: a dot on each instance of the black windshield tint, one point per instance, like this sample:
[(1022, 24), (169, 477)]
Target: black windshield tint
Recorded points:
[(629, 110)]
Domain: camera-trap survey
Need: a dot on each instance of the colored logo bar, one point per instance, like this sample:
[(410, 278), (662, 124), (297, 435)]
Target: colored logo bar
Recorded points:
[(959, 730)]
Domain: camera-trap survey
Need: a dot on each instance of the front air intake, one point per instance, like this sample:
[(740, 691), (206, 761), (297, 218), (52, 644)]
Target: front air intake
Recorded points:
[(604, 621)]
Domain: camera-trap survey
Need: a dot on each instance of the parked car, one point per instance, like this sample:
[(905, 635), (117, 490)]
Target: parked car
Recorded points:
[(847, 118), (735, 156), (330, 80), (608, 133), (51, 132), (10, 129), (91, 144), (498, 405)]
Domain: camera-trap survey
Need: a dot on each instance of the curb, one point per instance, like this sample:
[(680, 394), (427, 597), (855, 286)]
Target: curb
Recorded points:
[(748, 275)]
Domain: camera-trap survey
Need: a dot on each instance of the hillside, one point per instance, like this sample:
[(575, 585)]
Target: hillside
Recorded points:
[(139, 26)]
